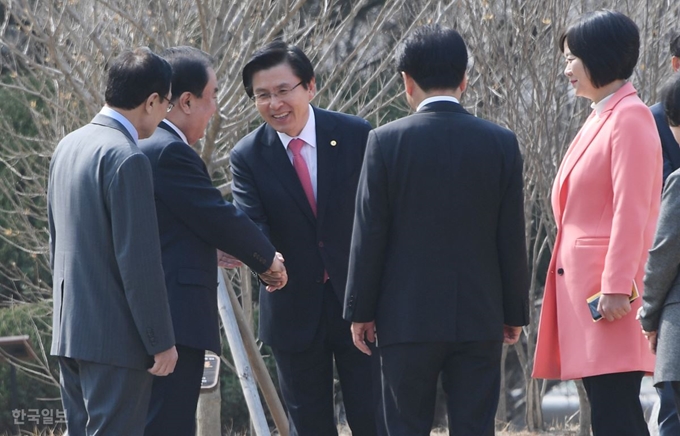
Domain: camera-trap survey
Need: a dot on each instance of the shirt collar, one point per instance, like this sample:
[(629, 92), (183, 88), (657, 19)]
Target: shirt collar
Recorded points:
[(435, 99), (599, 106), (177, 130), (112, 113), (308, 133)]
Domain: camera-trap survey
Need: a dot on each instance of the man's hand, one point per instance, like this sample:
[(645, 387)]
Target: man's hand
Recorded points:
[(275, 277), (613, 306), (164, 362), (362, 331), (227, 261), (651, 337), (511, 334)]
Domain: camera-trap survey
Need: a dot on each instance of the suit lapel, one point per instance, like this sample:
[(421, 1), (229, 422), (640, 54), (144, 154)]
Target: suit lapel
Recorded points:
[(163, 125), (580, 144), (328, 142), (582, 141), (275, 155)]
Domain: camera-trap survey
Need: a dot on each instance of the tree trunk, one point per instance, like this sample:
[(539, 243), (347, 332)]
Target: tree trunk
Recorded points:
[(260, 370), (247, 290), (584, 410), (208, 413), (243, 368), (502, 411)]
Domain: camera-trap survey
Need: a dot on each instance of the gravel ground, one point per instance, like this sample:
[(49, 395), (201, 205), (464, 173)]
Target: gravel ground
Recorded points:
[(551, 432)]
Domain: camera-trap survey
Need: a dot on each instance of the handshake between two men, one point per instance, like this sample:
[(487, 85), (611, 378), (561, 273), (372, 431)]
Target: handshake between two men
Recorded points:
[(275, 277)]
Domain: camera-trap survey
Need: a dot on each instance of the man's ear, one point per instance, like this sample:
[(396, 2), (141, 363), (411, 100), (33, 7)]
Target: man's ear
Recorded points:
[(463, 83), (184, 102), (409, 83), (311, 88), (675, 63), (151, 102)]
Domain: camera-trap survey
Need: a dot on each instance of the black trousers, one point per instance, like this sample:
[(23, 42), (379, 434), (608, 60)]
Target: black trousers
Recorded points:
[(103, 399), (615, 408), (669, 424), (470, 376), (306, 379), (172, 409)]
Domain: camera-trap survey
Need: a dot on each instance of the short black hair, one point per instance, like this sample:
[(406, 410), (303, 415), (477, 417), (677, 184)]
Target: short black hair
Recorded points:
[(670, 99), (273, 54), (608, 44), (434, 56), (189, 69), (675, 44), (134, 75)]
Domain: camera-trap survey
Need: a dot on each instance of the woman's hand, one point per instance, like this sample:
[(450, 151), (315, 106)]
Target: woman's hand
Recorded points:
[(614, 306)]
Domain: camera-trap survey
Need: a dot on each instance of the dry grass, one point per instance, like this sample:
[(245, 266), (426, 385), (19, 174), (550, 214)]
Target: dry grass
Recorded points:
[(551, 432), (46, 432), (346, 432), (543, 433)]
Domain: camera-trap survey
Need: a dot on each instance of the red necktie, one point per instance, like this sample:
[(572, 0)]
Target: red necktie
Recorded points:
[(302, 171), (295, 145)]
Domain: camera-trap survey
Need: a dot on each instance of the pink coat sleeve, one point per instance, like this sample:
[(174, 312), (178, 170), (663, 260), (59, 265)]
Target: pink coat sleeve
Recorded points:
[(636, 168)]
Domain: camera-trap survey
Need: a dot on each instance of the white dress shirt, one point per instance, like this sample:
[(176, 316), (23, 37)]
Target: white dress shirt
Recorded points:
[(112, 113), (435, 99), (176, 129), (599, 106)]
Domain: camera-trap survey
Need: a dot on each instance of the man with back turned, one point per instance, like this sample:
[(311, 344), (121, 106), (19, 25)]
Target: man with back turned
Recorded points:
[(111, 324), (438, 269)]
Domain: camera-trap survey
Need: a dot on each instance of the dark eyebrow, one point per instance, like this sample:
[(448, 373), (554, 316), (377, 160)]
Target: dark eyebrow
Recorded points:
[(277, 87)]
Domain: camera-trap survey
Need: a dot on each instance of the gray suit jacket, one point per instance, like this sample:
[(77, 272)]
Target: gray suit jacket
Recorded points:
[(661, 308), (110, 303)]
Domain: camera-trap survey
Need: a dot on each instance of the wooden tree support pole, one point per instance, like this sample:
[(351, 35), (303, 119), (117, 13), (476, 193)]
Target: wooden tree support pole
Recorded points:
[(208, 421), (259, 368), (238, 352)]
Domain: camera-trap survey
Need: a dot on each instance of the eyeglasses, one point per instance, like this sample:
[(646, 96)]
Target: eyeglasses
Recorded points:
[(170, 104), (266, 97)]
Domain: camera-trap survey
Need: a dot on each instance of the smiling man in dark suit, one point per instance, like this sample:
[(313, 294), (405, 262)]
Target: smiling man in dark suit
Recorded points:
[(296, 177), (194, 221), (111, 325), (438, 267)]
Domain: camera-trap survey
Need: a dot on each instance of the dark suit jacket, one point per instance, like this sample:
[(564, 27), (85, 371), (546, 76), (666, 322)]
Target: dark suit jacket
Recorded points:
[(194, 220), (267, 188), (110, 304), (670, 147), (438, 250)]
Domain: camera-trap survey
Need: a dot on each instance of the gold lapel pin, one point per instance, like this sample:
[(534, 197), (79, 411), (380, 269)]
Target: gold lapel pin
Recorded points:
[(334, 143)]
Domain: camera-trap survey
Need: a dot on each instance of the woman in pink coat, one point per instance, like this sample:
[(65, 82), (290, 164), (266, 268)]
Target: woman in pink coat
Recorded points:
[(606, 202)]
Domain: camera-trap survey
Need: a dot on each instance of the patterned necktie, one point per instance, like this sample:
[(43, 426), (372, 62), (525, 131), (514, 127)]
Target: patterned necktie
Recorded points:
[(302, 171)]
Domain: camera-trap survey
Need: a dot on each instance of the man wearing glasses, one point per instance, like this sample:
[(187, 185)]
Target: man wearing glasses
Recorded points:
[(296, 177), (194, 221), (111, 326)]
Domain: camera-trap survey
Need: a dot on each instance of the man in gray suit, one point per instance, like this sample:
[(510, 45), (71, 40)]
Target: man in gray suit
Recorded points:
[(669, 425), (660, 311), (111, 320)]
